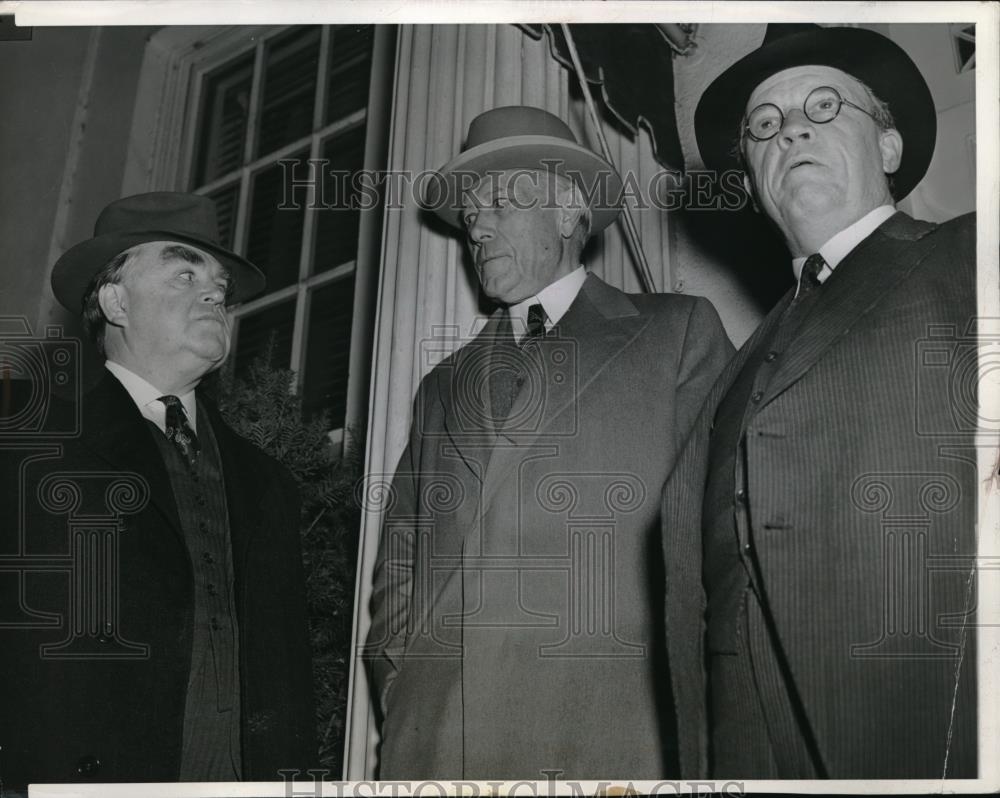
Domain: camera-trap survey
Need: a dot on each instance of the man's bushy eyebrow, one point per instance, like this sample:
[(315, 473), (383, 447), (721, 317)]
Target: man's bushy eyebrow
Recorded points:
[(189, 255), (182, 252)]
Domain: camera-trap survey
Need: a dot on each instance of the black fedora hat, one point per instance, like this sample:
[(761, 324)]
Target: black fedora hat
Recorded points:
[(868, 56), (522, 137), (156, 216)]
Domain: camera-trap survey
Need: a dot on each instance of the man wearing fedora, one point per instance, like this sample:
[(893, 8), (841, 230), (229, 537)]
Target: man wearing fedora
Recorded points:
[(517, 599), (195, 664), (820, 524)]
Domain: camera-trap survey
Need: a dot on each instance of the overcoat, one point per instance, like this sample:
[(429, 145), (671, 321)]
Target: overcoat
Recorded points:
[(861, 497), (517, 607), (77, 713)]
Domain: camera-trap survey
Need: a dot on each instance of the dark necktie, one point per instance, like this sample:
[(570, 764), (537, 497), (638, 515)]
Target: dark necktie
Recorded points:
[(809, 279), (178, 429), (805, 297), (536, 325)]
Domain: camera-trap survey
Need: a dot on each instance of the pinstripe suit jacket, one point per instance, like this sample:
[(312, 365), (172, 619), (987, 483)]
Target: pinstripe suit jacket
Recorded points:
[(860, 475)]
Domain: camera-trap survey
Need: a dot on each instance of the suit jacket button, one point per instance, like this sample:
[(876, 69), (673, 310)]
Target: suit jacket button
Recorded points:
[(741, 496), (88, 765), (757, 396)]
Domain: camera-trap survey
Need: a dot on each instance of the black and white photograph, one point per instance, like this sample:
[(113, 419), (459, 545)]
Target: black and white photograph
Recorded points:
[(555, 398)]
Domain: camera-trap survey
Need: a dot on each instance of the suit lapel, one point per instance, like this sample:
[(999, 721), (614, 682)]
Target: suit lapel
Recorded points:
[(738, 361), (599, 324), (114, 429), (856, 287), (465, 398)]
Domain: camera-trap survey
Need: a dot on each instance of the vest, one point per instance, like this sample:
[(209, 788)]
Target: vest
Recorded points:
[(211, 741)]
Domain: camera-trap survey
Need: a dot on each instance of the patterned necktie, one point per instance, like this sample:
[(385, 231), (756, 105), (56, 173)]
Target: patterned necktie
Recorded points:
[(178, 430), (809, 279), (536, 325)]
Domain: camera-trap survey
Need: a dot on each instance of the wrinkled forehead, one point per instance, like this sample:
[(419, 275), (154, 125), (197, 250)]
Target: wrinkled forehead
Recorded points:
[(519, 184), (794, 84)]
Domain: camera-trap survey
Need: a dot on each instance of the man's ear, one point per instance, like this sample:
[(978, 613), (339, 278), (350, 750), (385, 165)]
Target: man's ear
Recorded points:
[(568, 218), (748, 187), (113, 299), (891, 145)]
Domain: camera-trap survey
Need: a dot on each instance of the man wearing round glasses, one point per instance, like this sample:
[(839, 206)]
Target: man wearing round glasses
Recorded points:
[(821, 106), (820, 525), (816, 159)]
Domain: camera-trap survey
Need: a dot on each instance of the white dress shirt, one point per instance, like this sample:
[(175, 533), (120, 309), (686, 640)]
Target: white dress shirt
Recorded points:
[(147, 397), (555, 300), (838, 247)]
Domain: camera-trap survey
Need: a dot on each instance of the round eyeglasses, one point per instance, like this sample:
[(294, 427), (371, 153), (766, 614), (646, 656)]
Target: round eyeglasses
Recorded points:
[(821, 106)]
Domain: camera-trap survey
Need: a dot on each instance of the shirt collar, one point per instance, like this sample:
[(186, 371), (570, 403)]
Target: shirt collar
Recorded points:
[(838, 247), (555, 300), (146, 397)]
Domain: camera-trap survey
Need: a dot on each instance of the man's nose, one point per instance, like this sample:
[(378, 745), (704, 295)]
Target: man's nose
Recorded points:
[(481, 229), (214, 294), (797, 126)]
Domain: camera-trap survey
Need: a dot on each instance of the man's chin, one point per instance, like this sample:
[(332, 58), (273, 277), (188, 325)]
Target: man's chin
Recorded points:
[(814, 198), (500, 293), (213, 356), (218, 364)]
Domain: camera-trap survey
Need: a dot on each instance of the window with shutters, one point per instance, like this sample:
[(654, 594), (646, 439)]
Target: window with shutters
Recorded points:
[(272, 125)]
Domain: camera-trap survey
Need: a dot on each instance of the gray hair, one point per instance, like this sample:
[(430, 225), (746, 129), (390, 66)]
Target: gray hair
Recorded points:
[(94, 321), (569, 195)]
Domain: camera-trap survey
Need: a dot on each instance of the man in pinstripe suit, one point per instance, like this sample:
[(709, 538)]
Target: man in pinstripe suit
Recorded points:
[(820, 524)]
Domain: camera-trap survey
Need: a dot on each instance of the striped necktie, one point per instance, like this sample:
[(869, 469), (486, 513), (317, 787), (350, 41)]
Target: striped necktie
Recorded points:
[(536, 325)]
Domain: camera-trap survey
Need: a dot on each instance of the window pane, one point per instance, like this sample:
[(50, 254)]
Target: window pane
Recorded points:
[(329, 350), (256, 331), (225, 212), (222, 123), (350, 67), (289, 90), (336, 220), (274, 242)]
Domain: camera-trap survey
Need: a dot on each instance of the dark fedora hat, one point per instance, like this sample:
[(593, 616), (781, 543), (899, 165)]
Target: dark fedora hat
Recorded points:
[(156, 216), (868, 56), (522, 137)]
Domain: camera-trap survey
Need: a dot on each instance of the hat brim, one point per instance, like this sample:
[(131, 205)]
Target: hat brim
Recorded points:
[(598, 179), (76, 268), (868, 56)]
